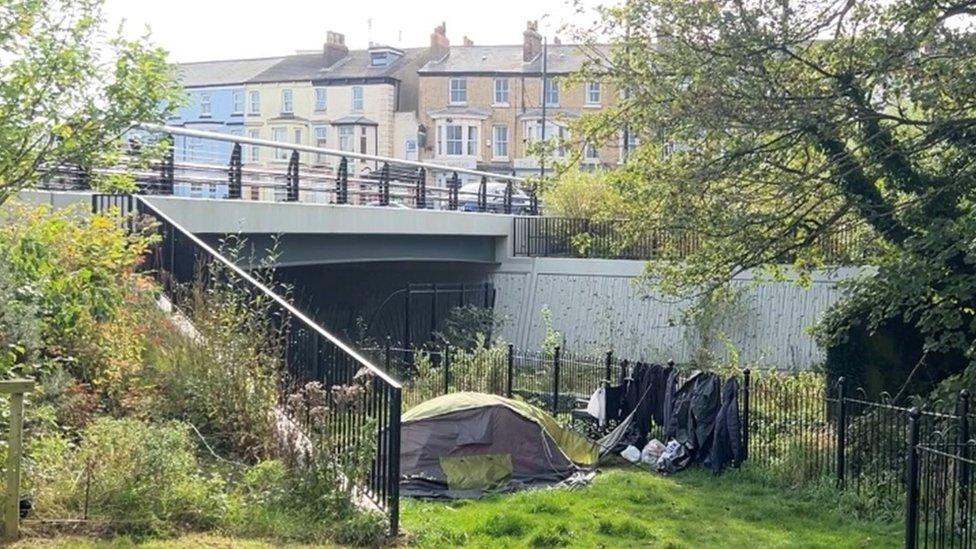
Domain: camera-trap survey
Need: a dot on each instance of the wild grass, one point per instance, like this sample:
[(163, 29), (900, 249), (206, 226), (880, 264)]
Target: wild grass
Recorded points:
[(634, 508)]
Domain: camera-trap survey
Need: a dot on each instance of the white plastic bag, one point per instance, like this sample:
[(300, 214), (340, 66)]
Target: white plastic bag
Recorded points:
[(652, 451), (631, 454)]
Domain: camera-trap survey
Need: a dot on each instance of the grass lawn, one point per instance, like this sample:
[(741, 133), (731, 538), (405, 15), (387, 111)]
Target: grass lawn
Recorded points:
[(210, 541), (629, 507)]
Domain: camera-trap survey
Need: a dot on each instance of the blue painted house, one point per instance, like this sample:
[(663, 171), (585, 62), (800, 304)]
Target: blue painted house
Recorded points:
[(217, 103)]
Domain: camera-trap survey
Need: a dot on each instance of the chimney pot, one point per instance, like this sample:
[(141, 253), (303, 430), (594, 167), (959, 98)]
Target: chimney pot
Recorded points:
[(531, 41), (334, 49), (468, 41), (440, 46)]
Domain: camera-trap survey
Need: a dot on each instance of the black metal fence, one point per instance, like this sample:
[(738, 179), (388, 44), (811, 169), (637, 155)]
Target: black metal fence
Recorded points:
[(366, 422), (620, 239), (212, 165)]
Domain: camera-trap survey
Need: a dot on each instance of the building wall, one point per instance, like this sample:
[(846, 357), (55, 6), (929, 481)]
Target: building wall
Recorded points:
[(596, 304), (223, 118), (525, 96)]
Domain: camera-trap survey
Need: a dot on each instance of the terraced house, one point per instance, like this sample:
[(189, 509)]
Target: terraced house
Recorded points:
[(216, 102), (354, 100), (482, 106)]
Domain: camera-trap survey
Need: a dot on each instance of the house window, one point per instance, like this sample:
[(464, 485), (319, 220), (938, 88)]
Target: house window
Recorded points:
[(590, 153), (501, 91), (255, 150), (458, 91), (204, 104), (472, 140), (593, 93), (454, 142), (239, 102), (345, 138), (378, 59), (298, 136), (363, 142), (280, 135), (357, 98), (628, 142), (499, 141), (320, 99), (255, 101), (321, 140), (551, 93), (287, 101), (533, 132)]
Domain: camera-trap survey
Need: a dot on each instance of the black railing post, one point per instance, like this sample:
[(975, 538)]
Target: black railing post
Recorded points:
[(421, 193), (746, 389), (291, 185), (962, 464), (483, 194), (234, 173), (342, 181), (511, 370), (911, 504), (533, 201), (841, 432), (452, 191), (508, 197), (555, 381), (407, 340), (608, 367), (393, 480), (387, 356), (385, 184), (447, 369)]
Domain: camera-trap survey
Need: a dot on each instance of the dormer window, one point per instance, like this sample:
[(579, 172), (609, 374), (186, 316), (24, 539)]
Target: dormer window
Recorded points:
[(378, 59)]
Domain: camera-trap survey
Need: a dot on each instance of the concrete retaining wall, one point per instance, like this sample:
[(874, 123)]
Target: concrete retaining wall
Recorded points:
[(597, 301)]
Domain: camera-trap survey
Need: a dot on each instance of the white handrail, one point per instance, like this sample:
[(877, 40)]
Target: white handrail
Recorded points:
[(319, 150)]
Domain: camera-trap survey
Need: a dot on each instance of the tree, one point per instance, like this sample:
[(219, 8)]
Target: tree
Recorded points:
[(769, 126), (68, 93)]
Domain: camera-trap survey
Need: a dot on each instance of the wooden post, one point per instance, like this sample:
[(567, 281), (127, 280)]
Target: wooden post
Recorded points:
[(11, 504)]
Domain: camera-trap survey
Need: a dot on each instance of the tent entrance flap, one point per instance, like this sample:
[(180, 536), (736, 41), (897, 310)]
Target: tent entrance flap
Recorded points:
[(477, 472)]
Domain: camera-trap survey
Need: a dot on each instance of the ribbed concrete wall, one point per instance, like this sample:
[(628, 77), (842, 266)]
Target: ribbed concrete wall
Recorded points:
[(593, 302)]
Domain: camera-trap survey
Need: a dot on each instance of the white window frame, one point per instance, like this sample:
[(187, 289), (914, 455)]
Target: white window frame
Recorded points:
[(321, 99), (287, 101), (550, 88), (320, 138), (237, 100), (347, 136), (627, 148), (495, 142), (255, 153), (280, 135), (254, 102), (506, 91), (205, 105), (459, 139), (358, 95), (533, 133), (593, 88), (590, 154), (461, 89)]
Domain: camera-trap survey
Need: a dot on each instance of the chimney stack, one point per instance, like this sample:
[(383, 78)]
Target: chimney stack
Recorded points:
[(440, 46), (531, 41), (468, 41), (556, 41), (335, 48)]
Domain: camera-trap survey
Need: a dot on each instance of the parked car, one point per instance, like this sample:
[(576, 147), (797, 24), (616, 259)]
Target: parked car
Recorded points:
[(468, 198)]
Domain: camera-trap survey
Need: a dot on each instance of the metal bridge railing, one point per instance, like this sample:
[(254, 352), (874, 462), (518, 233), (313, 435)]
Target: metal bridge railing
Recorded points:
[(368, 419), (214, 165)]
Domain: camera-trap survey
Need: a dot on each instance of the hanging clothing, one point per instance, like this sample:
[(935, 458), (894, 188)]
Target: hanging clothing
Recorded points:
[(597, 406), (726, 446)]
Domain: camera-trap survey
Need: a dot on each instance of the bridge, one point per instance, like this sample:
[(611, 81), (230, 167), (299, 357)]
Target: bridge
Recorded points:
[(355, 231)]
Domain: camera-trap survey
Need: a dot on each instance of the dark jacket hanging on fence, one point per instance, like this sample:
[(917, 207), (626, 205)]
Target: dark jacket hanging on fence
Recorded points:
[(727, 439), (646, 396)]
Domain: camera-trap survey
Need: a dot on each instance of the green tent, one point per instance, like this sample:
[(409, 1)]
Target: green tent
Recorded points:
[(461, 444)]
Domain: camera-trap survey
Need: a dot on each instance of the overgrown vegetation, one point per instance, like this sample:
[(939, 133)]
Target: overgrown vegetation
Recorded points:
[(146, 426)]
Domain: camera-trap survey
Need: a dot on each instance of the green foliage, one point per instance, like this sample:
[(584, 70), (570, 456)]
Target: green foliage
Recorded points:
[(68, 93), (143, 475), (469, 326), (781, 133), (581, 194)]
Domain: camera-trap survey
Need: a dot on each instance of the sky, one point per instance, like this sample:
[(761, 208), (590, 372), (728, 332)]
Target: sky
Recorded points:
[(197, 30)]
